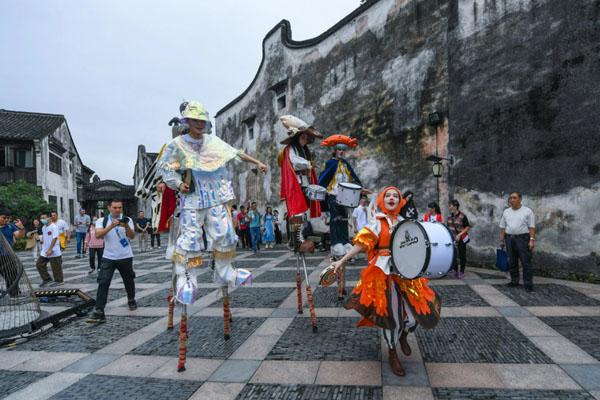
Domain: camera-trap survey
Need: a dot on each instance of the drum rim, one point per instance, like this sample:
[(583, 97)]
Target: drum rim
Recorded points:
[(453, 246), (427, 247)]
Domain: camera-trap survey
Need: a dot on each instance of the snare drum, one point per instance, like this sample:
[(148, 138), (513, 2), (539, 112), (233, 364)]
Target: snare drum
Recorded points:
[(348, 194), (422, 249), (316, 192)]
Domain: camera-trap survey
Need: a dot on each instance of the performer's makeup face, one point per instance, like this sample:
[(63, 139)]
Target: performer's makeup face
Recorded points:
[(391, 199), (196, 126), (303, 139), (339, 153)]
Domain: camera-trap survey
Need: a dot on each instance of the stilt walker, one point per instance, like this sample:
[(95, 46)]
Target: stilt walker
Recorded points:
[(194, 164), (297, 174), (339, 171)]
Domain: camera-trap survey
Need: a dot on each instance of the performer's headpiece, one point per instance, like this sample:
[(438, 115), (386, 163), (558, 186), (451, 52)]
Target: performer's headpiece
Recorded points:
[(195, 110), (296, 127), (340, 142)]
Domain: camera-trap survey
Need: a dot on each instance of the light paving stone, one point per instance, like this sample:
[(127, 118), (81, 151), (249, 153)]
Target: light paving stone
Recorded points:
[(540, 311), (196, 369), (284, 313), (47, 361), (478, 375), (256, 347), (588, 376), (415, 356), (469, 311), (416, 374), (562, 351), (128, 343), (274, 326), (287, 372), (596, 393), (217, 391), (407, 393), (498, 300), (361, 373), (91, 363), (535, 376), (13, 357), (322, 312), (235, 371), (587, 311), (133, 365), (46, 387), (515, 312), (532, 326)]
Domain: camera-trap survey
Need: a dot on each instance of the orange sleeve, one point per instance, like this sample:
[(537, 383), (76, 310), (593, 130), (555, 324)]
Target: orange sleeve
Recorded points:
[(366, 238)]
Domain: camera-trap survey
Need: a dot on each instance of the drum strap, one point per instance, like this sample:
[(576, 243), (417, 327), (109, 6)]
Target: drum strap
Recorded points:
[(383, 245)]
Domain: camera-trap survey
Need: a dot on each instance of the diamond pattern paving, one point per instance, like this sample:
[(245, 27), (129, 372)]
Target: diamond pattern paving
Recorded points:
[(256, 297), (205, 338), (583, 331), (79, 336), (496, 394), (117, 387), (477, 340), (327, 296), (338, 339), (154, 277), (12, 381), (459, 295), (279, 276), (309, 392), (159, 299), (548, 295)]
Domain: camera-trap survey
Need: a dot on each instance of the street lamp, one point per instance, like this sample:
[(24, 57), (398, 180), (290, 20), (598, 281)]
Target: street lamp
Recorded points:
[(437, 169)]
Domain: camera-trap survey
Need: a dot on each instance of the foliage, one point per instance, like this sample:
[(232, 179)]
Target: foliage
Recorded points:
[(24, 200)]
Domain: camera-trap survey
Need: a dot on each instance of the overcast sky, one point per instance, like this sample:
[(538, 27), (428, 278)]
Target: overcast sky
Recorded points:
[(119, 69)]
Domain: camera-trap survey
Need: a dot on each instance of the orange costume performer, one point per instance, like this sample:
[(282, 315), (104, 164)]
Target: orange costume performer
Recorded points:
[(382, 296)]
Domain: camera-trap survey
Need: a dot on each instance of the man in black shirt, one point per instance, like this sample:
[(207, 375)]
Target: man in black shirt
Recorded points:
[(143, 226)]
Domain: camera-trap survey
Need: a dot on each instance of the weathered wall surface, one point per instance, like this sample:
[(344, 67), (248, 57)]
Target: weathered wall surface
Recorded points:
[(519, 82)]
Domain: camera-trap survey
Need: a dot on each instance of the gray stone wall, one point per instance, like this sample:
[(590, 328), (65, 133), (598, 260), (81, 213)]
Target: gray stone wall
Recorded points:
[(518, 83)]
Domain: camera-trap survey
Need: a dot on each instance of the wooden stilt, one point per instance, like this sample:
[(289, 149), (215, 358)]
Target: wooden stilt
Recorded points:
[(226, 315), (183, 337), (171, 308), (311, 303)]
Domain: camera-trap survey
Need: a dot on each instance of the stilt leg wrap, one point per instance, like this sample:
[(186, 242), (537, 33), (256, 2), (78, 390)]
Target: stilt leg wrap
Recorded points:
[(311, 305), (226, 315), (182, 342), (299, 291), (171, 305)]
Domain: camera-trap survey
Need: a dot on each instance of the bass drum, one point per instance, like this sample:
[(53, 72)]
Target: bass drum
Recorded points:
[(422, 249)]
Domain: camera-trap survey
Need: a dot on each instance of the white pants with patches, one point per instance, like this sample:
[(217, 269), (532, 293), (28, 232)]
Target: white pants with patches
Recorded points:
[(402, 315)]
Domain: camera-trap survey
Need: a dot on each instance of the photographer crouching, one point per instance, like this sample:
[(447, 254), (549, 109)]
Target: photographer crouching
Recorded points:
[(116, 230)]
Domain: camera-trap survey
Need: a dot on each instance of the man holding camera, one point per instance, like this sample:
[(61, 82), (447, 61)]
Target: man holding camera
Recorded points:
[(116, 230)]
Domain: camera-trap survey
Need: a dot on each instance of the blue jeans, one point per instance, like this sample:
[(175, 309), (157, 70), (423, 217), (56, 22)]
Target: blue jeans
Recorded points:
[(255, 237), (80, 236)]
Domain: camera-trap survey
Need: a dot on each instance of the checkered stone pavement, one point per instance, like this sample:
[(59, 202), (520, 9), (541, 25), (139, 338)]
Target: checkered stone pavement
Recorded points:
[(492, 342)]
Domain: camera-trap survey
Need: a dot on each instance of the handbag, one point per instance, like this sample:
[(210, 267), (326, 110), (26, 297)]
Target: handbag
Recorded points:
[(501, 260)]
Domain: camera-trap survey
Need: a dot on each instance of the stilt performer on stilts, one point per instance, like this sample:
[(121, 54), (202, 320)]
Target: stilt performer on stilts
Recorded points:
[(297, 174), (194, 164), (382, 296), (338, 171)]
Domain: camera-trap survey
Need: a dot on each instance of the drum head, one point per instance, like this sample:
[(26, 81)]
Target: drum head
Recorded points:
[(350, 185), (410, 249)]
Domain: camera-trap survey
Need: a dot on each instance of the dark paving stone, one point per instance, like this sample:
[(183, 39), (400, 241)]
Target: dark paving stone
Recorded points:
[(327, 296), (13, 381), (483, 275), (583, 331), (291, 263), (477, 340), (205, 338), (159, 299), (498, 394), (79, 336), (548, 295), (99, 387), (309, 392), (459, 295), (154, 277), (338, 339), (353, 274), (256, 297), (266, 254), (250, 264), (280, 276)]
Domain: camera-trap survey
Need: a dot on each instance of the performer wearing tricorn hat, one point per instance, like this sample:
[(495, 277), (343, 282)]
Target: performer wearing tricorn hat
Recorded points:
[(298, 175)]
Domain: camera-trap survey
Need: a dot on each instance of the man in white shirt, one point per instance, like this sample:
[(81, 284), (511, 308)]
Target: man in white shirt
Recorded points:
[(117, 230), (64, 230), (50, 253), (517, 232), (360, 215)]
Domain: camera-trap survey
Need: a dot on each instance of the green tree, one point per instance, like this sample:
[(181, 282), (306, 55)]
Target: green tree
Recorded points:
[(24, 200)]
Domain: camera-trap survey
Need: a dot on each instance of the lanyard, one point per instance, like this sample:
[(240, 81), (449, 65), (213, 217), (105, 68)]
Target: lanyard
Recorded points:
[(116, 228)]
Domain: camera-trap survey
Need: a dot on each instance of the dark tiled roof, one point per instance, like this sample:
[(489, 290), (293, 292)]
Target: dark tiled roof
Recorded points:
[(22, 125)]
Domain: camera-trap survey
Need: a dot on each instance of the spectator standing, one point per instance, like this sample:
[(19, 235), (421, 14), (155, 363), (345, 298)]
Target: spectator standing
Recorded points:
[(459, 225), (360, 214), (64, 230), (243, 227), (82, 222), (154, 236), (94, 246), (51, 252), (34, 239), (234, 220), (143, 226), (254, 217), (269, 235), (434, 214), (409, 211), (517, 233), (277, 225), (116, 230), (11, 232)]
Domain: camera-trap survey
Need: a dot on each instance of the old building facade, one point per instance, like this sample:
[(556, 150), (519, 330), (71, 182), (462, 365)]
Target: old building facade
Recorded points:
[(516, 81), (39, 149)]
